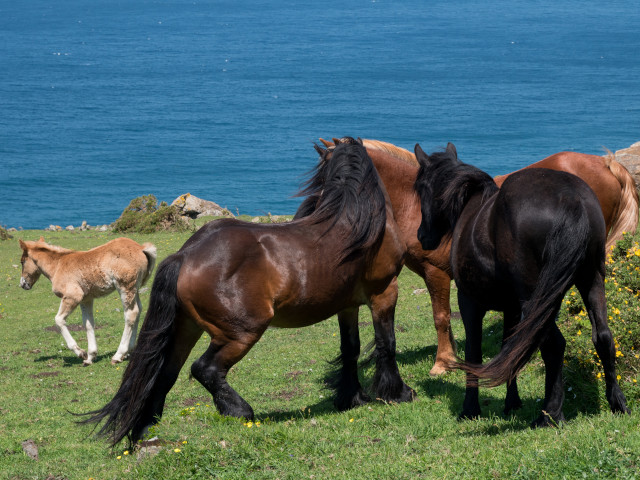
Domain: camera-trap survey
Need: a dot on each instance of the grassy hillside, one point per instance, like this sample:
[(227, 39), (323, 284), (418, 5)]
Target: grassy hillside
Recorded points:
[(299, 434)]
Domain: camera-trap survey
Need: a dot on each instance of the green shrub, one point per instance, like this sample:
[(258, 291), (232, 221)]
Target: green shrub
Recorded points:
[(4, 235), (143, 215), (622, 285)]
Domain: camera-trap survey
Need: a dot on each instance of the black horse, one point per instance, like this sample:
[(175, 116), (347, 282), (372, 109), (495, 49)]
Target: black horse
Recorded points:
[(518, 249)]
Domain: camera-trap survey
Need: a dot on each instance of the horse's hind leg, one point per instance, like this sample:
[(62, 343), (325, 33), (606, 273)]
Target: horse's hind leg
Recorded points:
[(211, 371), (349, 393), (552, 352), (89, 325), (67, 305), (387, 381), (512, 400), (593, 296), (439, 286), (131, 306)]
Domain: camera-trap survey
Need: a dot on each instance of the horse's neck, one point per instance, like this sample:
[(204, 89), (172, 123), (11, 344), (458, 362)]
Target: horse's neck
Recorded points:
[(48, 261)]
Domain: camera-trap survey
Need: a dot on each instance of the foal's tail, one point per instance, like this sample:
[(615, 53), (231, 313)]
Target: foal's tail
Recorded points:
[(565, 250), (150, 251), (626, 217), (132, 410)]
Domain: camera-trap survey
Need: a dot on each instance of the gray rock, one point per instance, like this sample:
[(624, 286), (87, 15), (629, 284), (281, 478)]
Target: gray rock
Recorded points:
[(193, 207), (630, 159)]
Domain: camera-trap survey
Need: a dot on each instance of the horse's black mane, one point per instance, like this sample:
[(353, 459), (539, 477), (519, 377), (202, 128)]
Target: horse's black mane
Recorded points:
[(445, 185), (345, 185)]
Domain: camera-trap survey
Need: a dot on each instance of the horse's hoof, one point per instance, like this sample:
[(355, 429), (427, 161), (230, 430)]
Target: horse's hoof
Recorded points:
[(115, 362), (511, 406), (86, 363), (546, 420), (343, 404), (439, 368)]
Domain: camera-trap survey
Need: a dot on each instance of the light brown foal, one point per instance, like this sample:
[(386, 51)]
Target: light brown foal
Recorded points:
[(78, 277)]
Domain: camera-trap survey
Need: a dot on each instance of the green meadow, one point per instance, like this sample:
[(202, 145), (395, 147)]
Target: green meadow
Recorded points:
[(298, 433)]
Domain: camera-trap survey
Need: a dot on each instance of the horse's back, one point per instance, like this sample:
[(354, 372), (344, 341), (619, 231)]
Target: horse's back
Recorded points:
[(534, 204)]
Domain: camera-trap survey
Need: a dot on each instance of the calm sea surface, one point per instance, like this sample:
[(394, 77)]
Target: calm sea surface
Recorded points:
[(103, 101)]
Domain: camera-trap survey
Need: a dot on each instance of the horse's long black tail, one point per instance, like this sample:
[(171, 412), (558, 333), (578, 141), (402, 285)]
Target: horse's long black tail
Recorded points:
[(126, 414), (564, 252)]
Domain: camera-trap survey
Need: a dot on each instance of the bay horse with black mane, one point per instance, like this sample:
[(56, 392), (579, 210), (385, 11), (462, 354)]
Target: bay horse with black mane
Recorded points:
[(398, 167), (518, 249), (233, 279)]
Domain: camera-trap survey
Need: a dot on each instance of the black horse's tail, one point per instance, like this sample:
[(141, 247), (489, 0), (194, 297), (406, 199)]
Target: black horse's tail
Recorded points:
[(564, 252), (127, 413)]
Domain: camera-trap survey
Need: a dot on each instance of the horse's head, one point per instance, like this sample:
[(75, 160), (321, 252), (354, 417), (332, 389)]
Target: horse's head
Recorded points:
[(434, 225), (30, 270), (445, 185)]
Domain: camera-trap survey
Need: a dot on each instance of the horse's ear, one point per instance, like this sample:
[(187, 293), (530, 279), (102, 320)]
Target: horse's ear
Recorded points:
[(359, 140), (451, 149), (336, 141), (420, 155), (326, 143), (321, 151), (23, 245), (42, 239)]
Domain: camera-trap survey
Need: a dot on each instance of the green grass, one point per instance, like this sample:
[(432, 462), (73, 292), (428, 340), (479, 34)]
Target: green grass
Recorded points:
[(300, 434)]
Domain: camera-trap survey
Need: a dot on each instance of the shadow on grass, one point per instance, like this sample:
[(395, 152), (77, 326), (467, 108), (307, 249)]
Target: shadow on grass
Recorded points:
[(72, 360)]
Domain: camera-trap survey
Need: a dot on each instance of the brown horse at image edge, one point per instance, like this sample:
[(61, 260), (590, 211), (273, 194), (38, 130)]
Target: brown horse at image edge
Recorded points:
[(398, 167), (233, 280)]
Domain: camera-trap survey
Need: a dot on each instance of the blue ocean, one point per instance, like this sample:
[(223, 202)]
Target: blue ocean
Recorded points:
[(103, 101)]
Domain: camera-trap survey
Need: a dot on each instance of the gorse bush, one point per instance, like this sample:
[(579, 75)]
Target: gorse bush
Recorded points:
[(622, 285), (143, 215)]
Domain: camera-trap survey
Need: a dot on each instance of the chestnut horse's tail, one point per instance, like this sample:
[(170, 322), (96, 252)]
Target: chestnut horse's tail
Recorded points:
[(626, 217), (564, 251), (132, 408)]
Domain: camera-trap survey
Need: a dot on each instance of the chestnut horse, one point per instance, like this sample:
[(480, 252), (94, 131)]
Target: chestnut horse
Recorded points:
[(80, 277), (612, 183), (518, 249), (233, 280)]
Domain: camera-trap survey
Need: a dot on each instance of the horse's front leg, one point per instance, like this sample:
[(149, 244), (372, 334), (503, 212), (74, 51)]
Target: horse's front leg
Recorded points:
[(131, 306), (68, 305), (89, 325), (349, 393), (387, 381), (439, 286), (472, 315)]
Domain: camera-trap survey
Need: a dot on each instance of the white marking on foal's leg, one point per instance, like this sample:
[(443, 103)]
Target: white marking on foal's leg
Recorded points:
[(66, 307), (89, 324), (131, 313)]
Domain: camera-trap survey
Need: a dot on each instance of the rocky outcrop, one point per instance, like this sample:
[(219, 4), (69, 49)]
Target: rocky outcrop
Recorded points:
[(193, 207), (630, 159)]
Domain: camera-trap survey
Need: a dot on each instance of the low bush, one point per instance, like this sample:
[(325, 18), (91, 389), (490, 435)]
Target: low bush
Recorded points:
[(143, 215)]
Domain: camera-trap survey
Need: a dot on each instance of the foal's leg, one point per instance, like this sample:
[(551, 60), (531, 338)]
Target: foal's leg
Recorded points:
[(552, 351), (439, 285), (349, 393), (594, 299), (89, 325), (211, 370), (472, 315), (512, 400), (131, 307), (387, 381), (68, 305)]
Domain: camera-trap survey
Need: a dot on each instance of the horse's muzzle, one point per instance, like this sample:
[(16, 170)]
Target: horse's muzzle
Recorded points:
[(24, 284)]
